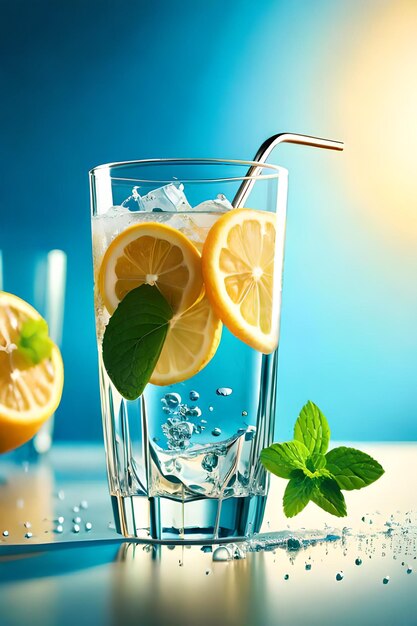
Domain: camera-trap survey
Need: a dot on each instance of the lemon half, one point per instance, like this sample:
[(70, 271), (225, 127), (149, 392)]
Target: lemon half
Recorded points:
[(29, 394)]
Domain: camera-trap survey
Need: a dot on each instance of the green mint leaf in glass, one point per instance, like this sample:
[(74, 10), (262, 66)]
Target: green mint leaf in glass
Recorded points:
[(134, 338), (312, 429), (34, 343), (297, 494), (328, 496), (283, 458), (352, 469)]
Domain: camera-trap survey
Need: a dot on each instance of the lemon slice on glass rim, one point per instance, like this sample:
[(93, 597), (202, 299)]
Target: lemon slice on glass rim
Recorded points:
[(29, 394), (154, 254), (238, 268)]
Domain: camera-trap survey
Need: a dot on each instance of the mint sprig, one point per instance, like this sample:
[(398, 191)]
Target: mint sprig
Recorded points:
[(314, 474), (134, 338), (34, 343)]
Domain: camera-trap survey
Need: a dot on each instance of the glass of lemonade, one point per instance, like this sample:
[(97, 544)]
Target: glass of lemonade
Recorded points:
[(183, 438)]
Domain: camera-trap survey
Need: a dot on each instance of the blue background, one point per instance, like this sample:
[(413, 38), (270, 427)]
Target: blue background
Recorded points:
[(88, 82)]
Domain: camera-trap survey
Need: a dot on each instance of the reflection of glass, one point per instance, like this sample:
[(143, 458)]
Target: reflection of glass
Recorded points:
[(39, 278), (192, 448), (153, 583)]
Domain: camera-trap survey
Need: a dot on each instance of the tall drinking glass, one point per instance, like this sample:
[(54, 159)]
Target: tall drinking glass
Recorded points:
[(183, 459)]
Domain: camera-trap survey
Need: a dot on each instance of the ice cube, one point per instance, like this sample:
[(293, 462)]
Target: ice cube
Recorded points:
[(221, 203), (170, 197)]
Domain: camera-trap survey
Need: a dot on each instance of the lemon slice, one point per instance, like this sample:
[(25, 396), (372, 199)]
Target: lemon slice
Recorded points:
[(238, 268), (29, 394), (154, 254), (192, 340)]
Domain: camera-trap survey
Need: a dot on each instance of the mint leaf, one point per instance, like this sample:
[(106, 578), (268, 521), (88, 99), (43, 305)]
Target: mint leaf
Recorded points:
[(352, 468), (314, 475), (283, 458), (316, 462), (297, 494), (34, 343), (134, 338), (327, 495), (312, 429)]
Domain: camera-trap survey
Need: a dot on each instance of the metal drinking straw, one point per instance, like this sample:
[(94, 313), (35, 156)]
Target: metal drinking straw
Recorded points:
[(266, 149)]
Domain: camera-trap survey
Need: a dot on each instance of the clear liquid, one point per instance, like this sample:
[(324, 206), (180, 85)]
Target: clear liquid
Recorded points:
[(204, 441)]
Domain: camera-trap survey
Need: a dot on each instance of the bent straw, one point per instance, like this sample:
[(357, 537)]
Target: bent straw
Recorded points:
[(266, 149)]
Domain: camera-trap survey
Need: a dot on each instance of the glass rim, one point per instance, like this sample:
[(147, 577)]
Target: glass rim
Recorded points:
[(276, 170)]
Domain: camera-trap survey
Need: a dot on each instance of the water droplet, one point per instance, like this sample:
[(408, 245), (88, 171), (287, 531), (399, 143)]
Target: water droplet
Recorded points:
[(409, 569), (28, 535), (60, 519), (385, 580), (76, 528), (59, 529), (194, 396), (340, 576), (222, 553), (84, 504), (27, 525), (308, 566), (88, 526), (61, 494), (286, 576), (358, 561), (76, 509), (216, 432), (236, 552), (293, 544), (5, 533), (211, 408), (207, 572), (224, 391), (206, 549), (244, 413), (76, 520), (172, 399)]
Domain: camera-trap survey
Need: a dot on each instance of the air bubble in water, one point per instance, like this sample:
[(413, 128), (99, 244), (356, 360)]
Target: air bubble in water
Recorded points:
[(194, 396), (216, 432), (210, 462), (178, 433), (224, 391), (172, 399), (193, 411), (244, 413)]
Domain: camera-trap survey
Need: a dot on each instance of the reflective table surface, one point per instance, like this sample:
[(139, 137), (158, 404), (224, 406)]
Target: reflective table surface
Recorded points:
[(61, 561)]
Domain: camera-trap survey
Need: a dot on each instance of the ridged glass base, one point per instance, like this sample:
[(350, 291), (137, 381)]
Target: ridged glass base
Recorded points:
[(205, 520)]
